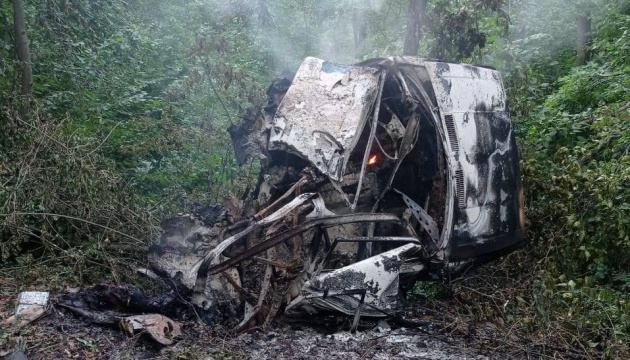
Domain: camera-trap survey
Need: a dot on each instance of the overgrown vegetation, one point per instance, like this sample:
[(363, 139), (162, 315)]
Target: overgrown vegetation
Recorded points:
[(571, 282), (131, 99), (62, 202), (126, 124)]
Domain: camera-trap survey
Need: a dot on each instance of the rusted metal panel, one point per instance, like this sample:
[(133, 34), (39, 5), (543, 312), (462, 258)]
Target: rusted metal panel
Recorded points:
[(323, 113)]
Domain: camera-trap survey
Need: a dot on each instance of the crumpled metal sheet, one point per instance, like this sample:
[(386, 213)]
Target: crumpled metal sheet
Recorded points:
[(474, 114), (159, 327), (377, 275), (323, 113)]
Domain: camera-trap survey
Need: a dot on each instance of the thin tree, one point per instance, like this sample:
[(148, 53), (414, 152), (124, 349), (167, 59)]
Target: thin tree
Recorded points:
[(23, 51), (415, 17), (583, 38), (264, 15)]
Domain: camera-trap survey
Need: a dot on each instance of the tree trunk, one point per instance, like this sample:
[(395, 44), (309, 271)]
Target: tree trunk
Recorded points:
[(583, 39), (264, 15), (23, 52), (359, 30), (415, 17)]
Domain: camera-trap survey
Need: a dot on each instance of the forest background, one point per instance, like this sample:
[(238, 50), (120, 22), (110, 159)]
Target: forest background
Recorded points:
[(114, 115)]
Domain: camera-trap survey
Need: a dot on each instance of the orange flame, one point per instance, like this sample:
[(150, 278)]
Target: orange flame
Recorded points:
[(372, 160)]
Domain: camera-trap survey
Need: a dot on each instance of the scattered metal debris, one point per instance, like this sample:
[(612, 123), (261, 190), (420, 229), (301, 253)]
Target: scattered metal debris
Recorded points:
[(159, 327), (113, 306), (372, 176)]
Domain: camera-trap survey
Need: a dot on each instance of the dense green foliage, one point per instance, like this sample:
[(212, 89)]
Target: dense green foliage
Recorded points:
[(574, 135), (132, 99)]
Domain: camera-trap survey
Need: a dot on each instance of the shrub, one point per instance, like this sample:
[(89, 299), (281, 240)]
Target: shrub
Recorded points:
[(60, 202)]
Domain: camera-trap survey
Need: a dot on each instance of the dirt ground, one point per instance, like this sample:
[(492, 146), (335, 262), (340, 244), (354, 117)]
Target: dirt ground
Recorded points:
[(423, 334)]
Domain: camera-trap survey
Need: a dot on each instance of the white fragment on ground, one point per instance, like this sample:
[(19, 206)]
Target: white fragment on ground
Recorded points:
[(31, 305), (383, 327)]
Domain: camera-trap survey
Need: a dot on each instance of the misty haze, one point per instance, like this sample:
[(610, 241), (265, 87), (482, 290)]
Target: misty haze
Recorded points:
[(275, 179)]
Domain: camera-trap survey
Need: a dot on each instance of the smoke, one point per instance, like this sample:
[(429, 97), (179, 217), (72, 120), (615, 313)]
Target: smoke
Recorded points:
[(326, 29), (335, 30), (348, 31), (548, 27), (289, 30)]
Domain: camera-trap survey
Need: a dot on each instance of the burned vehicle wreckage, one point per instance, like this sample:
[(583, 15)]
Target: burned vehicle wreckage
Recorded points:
[(373, 176)]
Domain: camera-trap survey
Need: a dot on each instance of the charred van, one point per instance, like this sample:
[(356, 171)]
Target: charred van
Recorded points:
[(372, 176)]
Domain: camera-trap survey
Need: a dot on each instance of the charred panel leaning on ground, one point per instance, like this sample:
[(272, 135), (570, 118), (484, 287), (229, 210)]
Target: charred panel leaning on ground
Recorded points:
[(373, 176)]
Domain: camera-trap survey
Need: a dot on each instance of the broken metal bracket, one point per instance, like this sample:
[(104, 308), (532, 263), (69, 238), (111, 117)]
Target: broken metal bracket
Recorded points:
[(303, 180), (288, 234), (368, 147), (408, 142), (200, 270), (426, 221)]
